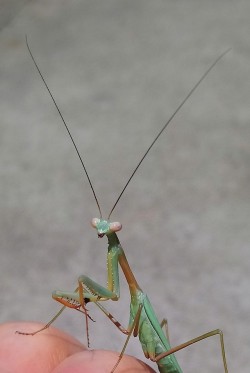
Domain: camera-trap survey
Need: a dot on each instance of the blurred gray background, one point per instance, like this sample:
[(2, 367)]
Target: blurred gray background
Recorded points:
[(118, 69)]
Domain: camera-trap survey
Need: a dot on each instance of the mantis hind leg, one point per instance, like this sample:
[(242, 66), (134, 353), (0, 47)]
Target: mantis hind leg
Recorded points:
[(195, 340)]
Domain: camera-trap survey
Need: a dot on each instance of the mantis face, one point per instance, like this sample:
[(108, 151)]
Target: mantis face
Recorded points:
[(105, 227)]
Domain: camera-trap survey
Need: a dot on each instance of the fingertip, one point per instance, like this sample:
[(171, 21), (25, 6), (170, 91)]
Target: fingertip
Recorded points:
[(96, 361), (40, 353)]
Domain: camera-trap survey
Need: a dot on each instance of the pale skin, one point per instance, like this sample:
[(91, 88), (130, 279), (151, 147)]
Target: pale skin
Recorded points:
[(54, 351)]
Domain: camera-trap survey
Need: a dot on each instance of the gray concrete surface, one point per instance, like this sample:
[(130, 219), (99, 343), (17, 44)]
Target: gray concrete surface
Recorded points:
[(118, 69)]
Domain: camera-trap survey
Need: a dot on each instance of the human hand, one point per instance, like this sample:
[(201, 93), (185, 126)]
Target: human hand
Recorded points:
[(53, 351)]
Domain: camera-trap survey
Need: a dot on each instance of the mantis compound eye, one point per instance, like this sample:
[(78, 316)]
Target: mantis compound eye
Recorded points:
[(94, 222), (115, 226)]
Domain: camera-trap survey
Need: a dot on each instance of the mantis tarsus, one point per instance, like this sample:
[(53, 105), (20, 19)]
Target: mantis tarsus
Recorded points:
[(143, 321)]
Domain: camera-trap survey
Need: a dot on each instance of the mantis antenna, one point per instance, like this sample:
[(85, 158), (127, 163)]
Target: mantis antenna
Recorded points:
[(164, 127), (66, 126)]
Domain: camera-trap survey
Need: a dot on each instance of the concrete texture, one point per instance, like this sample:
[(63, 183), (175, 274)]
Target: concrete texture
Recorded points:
[(118, 69)]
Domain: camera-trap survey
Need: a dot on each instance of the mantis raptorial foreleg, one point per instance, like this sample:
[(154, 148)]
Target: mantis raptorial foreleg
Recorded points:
[(86, 291), (70, 305)]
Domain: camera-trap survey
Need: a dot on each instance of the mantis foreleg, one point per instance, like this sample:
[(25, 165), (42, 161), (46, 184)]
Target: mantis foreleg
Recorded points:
[(56, 316)]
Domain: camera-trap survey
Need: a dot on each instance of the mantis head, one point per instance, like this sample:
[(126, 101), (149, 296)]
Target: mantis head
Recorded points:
[(105, 227)]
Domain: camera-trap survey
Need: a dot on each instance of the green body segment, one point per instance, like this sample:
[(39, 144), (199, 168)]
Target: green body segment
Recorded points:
[(151, 336)]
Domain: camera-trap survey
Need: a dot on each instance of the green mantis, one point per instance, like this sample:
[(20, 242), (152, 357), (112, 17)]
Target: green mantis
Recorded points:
[(143, 321)]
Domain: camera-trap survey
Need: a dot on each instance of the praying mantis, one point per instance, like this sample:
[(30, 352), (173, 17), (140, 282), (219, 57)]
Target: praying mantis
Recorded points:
[(143, 321)]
